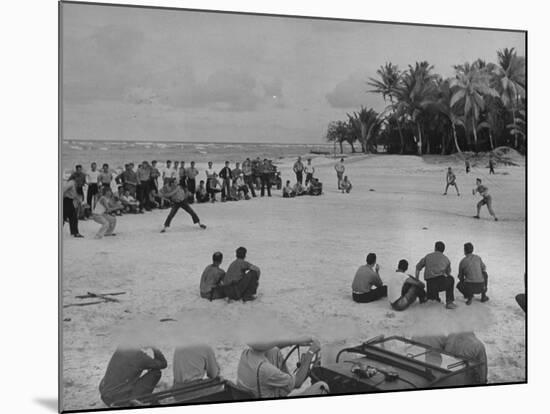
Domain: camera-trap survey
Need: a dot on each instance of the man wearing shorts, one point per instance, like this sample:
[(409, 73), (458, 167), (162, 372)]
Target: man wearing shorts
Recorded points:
[(105, 177), (340, 168), (485, 200), (451, 181)]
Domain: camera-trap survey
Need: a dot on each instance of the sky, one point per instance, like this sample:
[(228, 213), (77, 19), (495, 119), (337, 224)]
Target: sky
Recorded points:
[(172, 75)]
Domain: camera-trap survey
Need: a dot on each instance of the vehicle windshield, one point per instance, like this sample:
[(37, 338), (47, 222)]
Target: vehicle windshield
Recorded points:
[(421, 353)]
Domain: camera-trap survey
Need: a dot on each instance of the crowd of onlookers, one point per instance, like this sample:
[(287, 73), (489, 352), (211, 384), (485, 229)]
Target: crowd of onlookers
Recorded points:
[(103, 193)]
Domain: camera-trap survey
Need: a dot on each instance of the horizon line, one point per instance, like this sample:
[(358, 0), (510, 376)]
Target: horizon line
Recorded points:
[(195, 142)]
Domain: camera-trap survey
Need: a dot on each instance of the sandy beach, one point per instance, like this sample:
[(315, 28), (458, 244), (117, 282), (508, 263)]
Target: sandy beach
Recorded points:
[(308, 249)]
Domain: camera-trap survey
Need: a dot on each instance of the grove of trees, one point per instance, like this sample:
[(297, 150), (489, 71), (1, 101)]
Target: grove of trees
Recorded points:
[(478, 109)]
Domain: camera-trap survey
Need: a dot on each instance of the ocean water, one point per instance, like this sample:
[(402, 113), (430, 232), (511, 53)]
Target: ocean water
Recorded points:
[(116, 154)]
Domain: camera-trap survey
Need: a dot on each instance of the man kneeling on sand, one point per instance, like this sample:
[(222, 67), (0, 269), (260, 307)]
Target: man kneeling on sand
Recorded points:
[(367, 285), (241, 279), (211, 286), (123, 380), (263, 372), (193, 363), (403, 289)]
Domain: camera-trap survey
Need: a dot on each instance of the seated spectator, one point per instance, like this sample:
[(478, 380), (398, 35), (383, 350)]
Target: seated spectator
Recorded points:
[(129, 203), (288, 191), (241, 186), (233, 193), (201, 194), (211, 286), (367, 285), (315, 187), (154, 199), (242, 278), (123, 379), (299, 189), (403, 289), (215, 187), (263, 373), (194, 362), (345, 185), (472, 275)]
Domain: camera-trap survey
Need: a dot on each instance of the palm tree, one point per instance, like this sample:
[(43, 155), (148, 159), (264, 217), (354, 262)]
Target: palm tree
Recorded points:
[(470, 86), (354, 129), (390, 78), (511, 83), (414, 94), (369, 122), (443, 106)]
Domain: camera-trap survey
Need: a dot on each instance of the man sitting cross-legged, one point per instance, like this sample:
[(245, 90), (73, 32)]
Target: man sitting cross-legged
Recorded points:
[(403, 289), (211, 286), (367, 285), (263, 373), (241, 279), (472, 275), (123, 379)]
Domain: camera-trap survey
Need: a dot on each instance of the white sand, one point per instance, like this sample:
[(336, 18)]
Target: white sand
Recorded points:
[(308, 249)]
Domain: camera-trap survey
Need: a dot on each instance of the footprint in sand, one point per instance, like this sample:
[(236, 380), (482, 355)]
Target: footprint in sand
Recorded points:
[(390, 315)]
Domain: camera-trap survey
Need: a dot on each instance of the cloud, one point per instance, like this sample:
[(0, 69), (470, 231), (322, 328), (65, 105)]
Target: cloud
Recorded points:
[(223, 90), (349, 93)]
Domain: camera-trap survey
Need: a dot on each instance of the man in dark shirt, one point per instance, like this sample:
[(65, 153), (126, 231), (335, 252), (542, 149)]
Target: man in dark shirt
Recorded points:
[(178, 196), (155, 174), (128, 179), (226, 175), (472, 275), (437, 274), (241, 278), (143, 185), (248, 176), (123, 379), (79, 179), (265, 177), (211, 286)]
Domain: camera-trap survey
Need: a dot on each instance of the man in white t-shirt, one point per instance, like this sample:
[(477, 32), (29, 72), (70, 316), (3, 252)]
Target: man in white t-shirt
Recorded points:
[(263, 373), (309, 170), (92, 179), (167, 173), (403, 289)]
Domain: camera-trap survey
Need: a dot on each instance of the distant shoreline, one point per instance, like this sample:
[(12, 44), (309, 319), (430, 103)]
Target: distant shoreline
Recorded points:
[(195, 142)]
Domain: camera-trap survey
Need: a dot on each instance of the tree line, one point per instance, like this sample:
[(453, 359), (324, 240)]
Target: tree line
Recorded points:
[(478, 109)]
